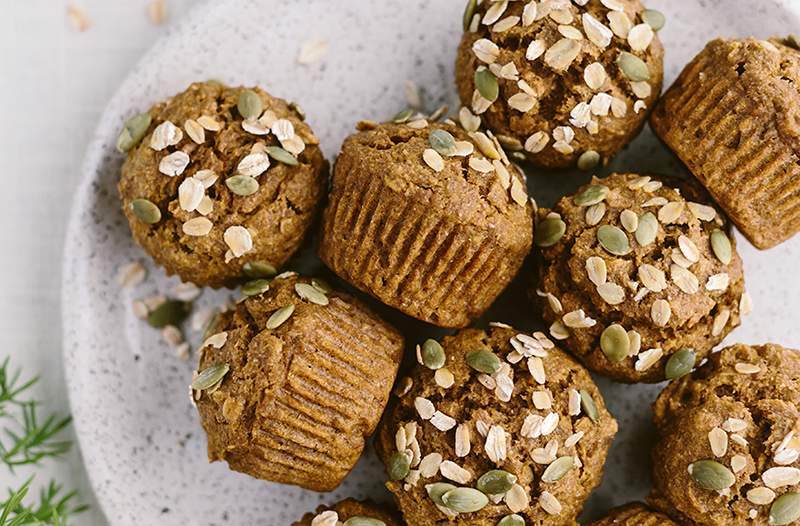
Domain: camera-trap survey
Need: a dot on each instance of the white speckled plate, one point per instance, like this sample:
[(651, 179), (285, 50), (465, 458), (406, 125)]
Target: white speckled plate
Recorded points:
[(144, 449)]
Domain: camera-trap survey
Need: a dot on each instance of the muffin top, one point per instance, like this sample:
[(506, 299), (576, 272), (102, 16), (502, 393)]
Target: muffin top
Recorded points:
[(561, 78), (350, 512), (495, 424), (464, 174), (217, 177), (634, 515), (633, 271), (730, 439)]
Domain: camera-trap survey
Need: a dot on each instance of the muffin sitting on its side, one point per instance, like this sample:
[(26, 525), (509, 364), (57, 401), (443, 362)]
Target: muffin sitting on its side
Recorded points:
[(294, 381), (429, 218), (634, 515), (350, 512), (220, 177), (639, 281)]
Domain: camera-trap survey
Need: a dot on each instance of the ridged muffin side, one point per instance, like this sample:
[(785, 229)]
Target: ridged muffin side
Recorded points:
[(634, 514)]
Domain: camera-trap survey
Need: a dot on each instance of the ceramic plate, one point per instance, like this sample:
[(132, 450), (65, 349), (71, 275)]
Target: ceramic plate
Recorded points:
[(143, 445)]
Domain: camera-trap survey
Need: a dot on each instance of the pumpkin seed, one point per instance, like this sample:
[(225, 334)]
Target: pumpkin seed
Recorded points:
[(589, 407), (436, 490), (363, 521), (255, 287), (469, 13), (614, 240), (403, 116), (210, 376), (465, 500), (321, 285), (486, 84), (146, 211), (549, 231), (442, 142), (557, 469), (259, 269), (281, 155), (280, 316), (496, 482), (654, 19), (249, 105), (133, 131), (785, 509), (633, 67), (592, 195), (311, 293), (680, 364), (721, 245), (433, 356), (647, 230), (484, 361), (399, 466), (511, 520), (170, 312), (588, 160), (711, 475), (243, 185), (614, 343)]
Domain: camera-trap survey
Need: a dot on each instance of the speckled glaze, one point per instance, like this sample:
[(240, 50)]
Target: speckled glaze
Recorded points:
[(140, 436)]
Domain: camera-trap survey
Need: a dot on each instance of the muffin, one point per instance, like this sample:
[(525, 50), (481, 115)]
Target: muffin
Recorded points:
[(564, 82), (429, 218), (639, 279), (347, 513), (634, 515), (733, 119), (293, 381), (729, 442), (494, 428), (217, 178)]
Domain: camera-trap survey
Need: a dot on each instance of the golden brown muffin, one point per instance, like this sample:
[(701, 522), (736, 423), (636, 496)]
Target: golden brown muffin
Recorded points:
[(494, 428), (639, 279), (428, 218), (634, 515), (206, 190), (294, 381), (729, 442), (732, 116), (351, 512), (563, 82)]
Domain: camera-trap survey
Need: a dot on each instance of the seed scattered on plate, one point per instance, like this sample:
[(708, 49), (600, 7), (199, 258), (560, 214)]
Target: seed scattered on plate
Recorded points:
[(312, 51)]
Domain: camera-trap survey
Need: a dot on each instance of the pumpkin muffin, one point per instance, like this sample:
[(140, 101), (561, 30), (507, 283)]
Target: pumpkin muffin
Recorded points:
[(494, 428), (730, 440), (732, 117), (293, 381), (429, 218), (639, 279), (350, 512), (219, 177), (563, 82), (634, 515)]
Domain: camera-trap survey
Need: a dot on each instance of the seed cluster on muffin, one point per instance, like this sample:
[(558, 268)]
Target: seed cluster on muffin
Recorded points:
[(350, 512), (634, 515)]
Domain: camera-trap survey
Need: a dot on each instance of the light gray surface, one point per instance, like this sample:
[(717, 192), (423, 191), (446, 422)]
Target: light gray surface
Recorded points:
[(143, 446)]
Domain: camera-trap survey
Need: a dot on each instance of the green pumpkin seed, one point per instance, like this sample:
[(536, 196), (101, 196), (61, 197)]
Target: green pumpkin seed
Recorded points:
[(433, 356), (255, 287), (594, 194), (280, 316), (398, 467), (465, 500), (311, 293), (588, 160), (437, 489), (511, 520), (146, 211), (549, 231), (614, 240), (496, 482), (484, 361), (210, 376), (614, 343), (557, 469), (680, 364), (647, 230), (243, 185), (134, 130), (654, 19), (321, 285), (785, 509), (486, 84), (589, 407), (259, 269), (633, 67), (469, 13), (249, 104), (363, 521), (442, 142), (403, 116), (721, 245), (711, 475), (281, 155), (170, 312)]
